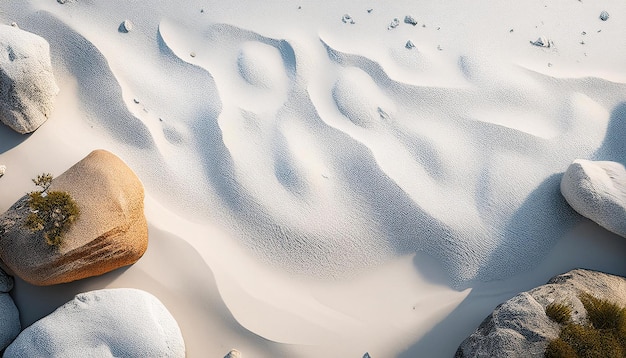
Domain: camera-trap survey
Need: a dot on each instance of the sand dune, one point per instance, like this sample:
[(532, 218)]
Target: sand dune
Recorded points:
[(315, 187)]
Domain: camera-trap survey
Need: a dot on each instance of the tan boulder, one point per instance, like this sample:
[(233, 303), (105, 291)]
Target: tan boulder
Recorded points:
[(111, 231)]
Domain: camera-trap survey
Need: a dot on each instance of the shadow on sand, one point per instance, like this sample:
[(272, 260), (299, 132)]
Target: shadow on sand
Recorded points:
[(532, 217), (614, 145), (10, 139)]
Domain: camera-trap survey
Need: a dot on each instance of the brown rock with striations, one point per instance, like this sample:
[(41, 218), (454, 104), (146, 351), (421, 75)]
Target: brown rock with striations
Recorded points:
[(111, 231)]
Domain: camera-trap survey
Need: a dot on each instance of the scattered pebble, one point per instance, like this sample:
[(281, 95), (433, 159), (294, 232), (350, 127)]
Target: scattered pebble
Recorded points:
[(408, 19), (126, 26), (549, 64), (366, 355), (202, 11), (3, 169), (299, 7), (604, 16), (193, 54), (423, 25), (369, 11), (62, 1), (347, 19), (582, 42), (439, 48), (383, 115), (14, 24), (583, 33), (541, 42), (511, 30), (395, 23), (136, 101), (233, 354), (410, 45)]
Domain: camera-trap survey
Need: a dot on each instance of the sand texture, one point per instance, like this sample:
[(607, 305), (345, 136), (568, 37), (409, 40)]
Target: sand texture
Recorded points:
[(316, 187)]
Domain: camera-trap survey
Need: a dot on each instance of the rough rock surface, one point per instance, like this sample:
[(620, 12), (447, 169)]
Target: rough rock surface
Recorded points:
[(597, 190), (111, 231), (10, 325), (520, 328), (27, 85), (104, 323)]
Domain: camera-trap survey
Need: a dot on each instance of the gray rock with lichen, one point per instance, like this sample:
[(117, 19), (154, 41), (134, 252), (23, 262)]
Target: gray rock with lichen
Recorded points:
[(520, 328)]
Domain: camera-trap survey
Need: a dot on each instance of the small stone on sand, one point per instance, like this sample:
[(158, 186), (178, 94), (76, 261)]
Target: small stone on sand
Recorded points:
[(233, 354), (604, 16), (408, 19), (395, 23), (541, 42), (347, 19), (126, 26)]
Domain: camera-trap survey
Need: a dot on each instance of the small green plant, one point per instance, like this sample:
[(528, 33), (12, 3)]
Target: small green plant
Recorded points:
[(43, 181), (603, 336), (559, 312), (53, 212), (559, 348), (603, 314)]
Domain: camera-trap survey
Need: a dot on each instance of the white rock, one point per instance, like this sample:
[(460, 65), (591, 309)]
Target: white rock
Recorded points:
[(27, 85), (394, 23), (597, 190), (10, 325), (233, 354), (3, 169), (126, 26), (105, 323), (347, 19)]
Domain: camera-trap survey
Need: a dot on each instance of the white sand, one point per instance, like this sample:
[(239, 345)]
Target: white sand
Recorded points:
[(314, 188)]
